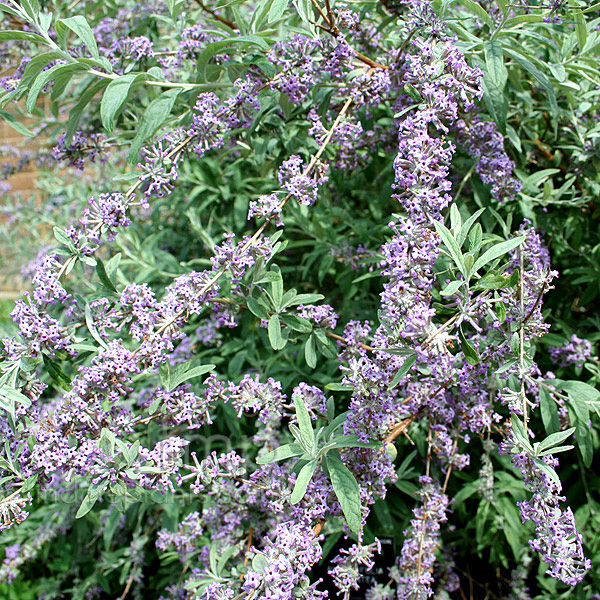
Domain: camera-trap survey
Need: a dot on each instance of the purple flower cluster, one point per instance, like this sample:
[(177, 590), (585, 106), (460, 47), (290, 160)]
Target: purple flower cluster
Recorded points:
[(557, 539), (238, 258), (413, 570), (83, 147), (185, 538), (575, 352), (321, 315), (346, 573), (297, 183), (108, 212), (483, 141), (287, 556), (137, 47)]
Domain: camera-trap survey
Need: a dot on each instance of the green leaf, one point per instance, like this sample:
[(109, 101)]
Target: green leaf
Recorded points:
[(256, 308), (520, 434), (338, 387), (282, 453), (558, 70), (555, 439), (89, 321), (479, 12), (46, 77), (6, 35), (497, 251), (296, 323), (402, 371), (468, 349), (491, 281), (277, 292), (103, 276), (579, 391), (461, 236), (541, 78), (549, 411), (350, 441), (495, 63), (310, 353), (580, 28), (451, 245), (495, 102), (16, 125), (580, 416), (172, 376), (77, 111), (302, 481), (346, 489), (547, 469), (156, 114), (115, 96), (452, 288), (274, 331), (220, 46), (304, 421), (79, 26), (90, 499), (276, 11), (35, 66), (303, 299)]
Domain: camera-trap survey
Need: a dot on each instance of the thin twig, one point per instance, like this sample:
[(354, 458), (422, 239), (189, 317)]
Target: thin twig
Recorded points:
[(216, 16)]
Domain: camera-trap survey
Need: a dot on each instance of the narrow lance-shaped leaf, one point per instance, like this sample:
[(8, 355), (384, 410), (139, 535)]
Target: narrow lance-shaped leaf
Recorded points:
[(282, 453), (81, 28), (496, 252), (346, 489), (302, 481), (451, 245), (304, 422)]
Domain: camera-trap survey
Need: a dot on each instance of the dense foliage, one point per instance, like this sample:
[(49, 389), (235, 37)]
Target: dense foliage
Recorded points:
[(309, 280)]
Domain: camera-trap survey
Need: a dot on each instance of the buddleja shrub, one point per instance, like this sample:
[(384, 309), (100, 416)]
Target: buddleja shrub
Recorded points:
[(297, 304)]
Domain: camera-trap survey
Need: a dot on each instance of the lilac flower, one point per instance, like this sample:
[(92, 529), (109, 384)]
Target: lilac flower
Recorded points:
[(413, 568), (107, 212), (346, 573), (12, 510), (244, 104), (139, 307), (159, 163), (302, 187), (485, 144), (194, 39), (227, 465), (237, 259), (48, 289), (207, 126), (165, 457), (268, 207), (82, 147), (322, 315), (181, 405), (574, 352), (39, 331), (185, 538), (136, 47), (557, 539), (297, 66), (288, 555)]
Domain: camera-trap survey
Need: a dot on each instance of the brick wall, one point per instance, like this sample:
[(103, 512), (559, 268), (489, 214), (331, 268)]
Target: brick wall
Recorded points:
[(23, 182)]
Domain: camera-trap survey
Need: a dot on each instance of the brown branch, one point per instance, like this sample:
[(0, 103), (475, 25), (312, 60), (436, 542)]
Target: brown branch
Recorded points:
[(216, 16), (318, 527), (339, 338), (127, 587), (250, 534)]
